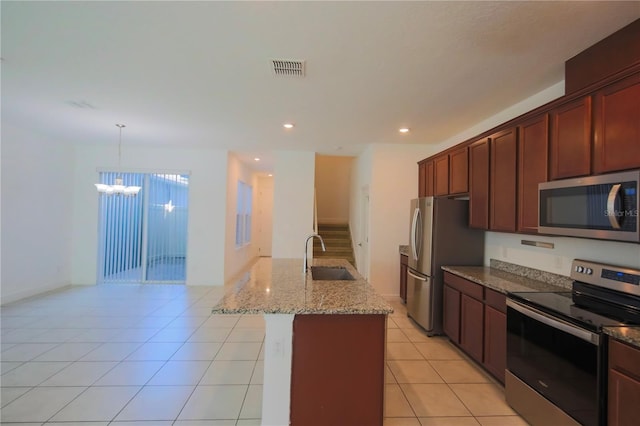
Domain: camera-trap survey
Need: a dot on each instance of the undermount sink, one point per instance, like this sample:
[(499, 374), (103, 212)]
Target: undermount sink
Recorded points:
[(330, 273)]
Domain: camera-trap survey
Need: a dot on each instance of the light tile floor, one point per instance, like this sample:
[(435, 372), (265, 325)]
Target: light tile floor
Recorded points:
[(154, 356), (429, 382)]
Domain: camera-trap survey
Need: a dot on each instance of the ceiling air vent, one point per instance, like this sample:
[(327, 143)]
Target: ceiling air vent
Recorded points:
[(288, 67)]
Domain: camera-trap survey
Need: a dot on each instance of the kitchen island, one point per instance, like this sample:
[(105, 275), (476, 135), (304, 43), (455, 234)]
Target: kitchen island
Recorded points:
[(324, 344)]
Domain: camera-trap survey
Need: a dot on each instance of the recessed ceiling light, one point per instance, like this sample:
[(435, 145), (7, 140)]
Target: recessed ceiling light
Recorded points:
[(256, 159), (288, 125), (404, 130)]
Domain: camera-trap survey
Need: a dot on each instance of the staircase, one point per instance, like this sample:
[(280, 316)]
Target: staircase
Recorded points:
[(337, 240)]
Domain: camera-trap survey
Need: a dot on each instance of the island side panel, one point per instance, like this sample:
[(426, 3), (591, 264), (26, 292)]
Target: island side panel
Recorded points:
[(278, 348), (338, 370)]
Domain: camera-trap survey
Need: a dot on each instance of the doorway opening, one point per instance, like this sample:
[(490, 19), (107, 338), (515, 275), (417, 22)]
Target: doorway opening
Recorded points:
[(143, 239)]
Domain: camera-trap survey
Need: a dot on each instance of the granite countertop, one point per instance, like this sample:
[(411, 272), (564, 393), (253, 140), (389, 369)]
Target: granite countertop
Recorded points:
[(404, 250), (278, 286), (506, 282), (629, 335)]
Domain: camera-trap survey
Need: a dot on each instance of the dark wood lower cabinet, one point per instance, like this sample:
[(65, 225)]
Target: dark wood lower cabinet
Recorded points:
[(624, 384), (475, 320), (337, 372), (471, 329), (451, 313), (404, 261), (495, 342)]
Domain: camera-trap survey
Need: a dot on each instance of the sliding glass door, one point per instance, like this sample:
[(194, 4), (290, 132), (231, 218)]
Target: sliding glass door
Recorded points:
[(143, 239)]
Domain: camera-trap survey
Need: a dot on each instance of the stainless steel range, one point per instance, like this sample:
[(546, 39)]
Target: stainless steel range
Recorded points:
[(556, 353)]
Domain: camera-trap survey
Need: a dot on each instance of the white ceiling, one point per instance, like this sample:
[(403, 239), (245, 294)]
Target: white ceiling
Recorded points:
[(197, 74)]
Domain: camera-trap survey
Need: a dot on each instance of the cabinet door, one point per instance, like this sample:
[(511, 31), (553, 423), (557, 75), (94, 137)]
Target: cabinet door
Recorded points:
[(451, 313), (502, 205), (623, 399), (624, 384), (429, 178), (617, 126), (479, 184), (459, 171), (422, 189), (495, 342), (471, 326), (571, 139), (441, 173), (533, 148), (338, 389)]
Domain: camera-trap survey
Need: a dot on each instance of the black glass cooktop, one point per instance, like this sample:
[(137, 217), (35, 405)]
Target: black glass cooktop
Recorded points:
[(562, 305)]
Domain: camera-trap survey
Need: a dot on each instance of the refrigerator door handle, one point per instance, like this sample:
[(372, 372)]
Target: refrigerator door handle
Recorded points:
[(414, 234), (417, 277)]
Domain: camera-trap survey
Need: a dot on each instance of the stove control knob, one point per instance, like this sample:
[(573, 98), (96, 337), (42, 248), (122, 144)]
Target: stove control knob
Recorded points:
[(588, 271), (579, 269)]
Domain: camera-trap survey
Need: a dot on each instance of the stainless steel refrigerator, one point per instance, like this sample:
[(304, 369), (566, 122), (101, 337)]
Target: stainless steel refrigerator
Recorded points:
[(440, 235)]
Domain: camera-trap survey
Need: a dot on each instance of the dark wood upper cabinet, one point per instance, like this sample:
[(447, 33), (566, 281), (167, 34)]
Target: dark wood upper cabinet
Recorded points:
[(502, 206), (459, 171), (425, 178), (422, 169), (429, 178), (617, 126), (479, 184), (533, 160), (570, 143), (441, 173)]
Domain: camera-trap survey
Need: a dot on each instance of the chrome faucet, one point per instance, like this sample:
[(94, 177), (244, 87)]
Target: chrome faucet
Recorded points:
[(306, 244)]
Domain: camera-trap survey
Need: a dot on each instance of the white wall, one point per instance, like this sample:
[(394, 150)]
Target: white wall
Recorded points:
[(508, 247), (207, 205), (294, 173), (360, 181), (237, 258), (333, 175), (37, 200), (264, 216), (545, 96), (391, 172)]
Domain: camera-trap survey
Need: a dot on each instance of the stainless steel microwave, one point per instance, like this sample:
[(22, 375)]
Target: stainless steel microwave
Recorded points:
[(603, 207)]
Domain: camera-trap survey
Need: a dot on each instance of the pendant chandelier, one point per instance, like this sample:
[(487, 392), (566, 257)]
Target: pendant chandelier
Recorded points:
[(118, 187)]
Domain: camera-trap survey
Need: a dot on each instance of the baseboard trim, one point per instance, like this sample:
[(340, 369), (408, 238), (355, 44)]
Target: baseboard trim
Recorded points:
[(26, 294)]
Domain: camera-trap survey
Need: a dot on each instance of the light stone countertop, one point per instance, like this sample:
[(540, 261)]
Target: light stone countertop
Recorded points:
[(629, 335), (501, 281), (278, 286)]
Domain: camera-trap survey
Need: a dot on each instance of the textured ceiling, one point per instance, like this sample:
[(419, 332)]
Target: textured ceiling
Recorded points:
[(197, 74)]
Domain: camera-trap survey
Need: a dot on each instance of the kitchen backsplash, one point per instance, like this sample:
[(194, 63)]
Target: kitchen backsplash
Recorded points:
[(532, 273), (508, 248)]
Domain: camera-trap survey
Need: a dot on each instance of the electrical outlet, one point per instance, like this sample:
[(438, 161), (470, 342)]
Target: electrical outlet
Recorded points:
[(278, 348)]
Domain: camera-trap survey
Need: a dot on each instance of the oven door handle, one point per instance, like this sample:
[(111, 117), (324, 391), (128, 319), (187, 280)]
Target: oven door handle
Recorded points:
[(555, 323)]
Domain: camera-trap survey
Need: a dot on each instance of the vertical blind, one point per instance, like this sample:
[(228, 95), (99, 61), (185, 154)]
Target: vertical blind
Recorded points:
[(143, 239)]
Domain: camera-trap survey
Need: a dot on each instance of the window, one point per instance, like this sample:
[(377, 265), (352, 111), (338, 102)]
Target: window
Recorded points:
[(243, 214), (143, 239)]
